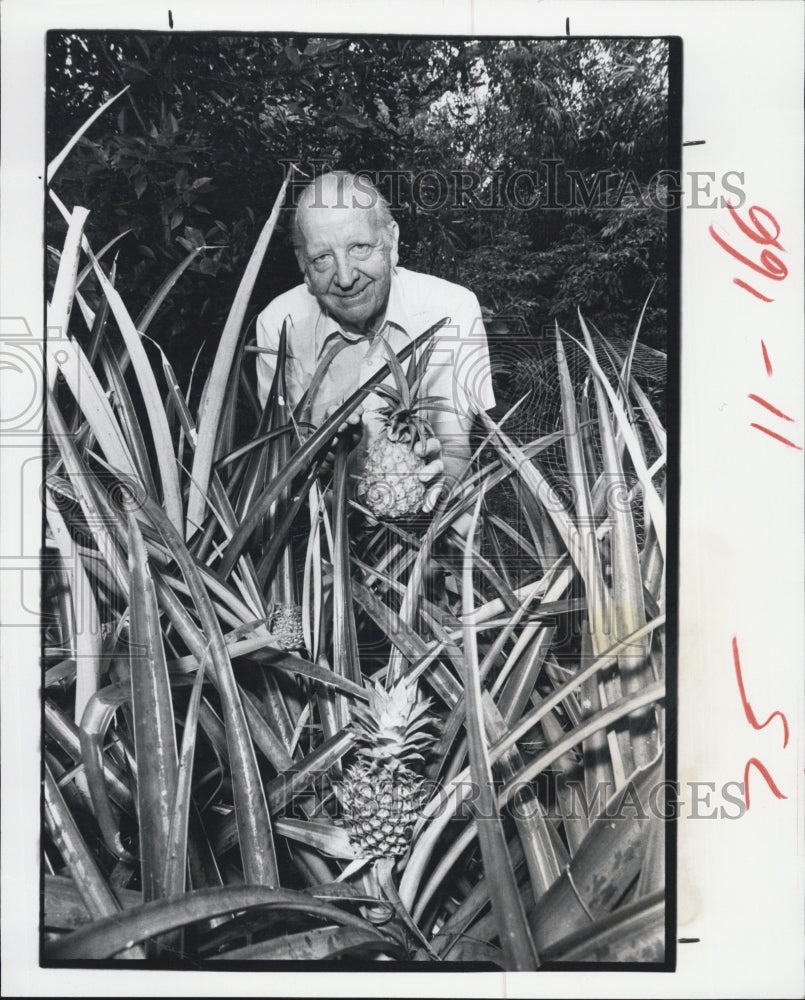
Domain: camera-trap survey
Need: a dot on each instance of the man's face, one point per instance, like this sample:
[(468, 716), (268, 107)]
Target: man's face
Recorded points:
[(347, 260)]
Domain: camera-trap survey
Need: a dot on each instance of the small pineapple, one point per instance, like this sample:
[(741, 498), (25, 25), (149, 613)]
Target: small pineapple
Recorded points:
[(382, 793), (390, 485), (286, 626)]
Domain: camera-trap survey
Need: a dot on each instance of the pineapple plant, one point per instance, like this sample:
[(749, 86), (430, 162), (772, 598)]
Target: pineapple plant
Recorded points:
[(286, 626), (390, 484), (382, 792)]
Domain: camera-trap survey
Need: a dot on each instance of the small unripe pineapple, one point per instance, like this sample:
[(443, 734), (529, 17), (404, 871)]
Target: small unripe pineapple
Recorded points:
[(286, 626)]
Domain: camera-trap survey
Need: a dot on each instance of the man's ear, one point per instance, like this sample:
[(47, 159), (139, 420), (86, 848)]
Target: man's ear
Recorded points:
[(395, 239), (300, 260)]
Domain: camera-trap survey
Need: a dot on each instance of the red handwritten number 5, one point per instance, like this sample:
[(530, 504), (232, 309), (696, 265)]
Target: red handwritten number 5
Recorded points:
[(751, 718)]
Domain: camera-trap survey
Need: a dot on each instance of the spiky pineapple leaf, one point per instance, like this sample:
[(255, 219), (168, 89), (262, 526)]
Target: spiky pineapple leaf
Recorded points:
[(212, 402), (391, 728), (400, 381), (107, 937), (63, 153)]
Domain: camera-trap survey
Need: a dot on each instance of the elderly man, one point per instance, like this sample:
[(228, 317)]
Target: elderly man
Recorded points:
[(355, 294)]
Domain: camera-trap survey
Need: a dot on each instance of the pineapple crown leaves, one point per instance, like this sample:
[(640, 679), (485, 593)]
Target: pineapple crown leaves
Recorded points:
[(404, 404), (390, 729)]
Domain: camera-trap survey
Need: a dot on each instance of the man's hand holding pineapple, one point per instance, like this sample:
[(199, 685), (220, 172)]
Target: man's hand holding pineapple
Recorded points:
[(356, 303)]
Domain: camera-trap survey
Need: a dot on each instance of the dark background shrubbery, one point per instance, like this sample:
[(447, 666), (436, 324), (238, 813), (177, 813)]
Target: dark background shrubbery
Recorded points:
[(196, 150)]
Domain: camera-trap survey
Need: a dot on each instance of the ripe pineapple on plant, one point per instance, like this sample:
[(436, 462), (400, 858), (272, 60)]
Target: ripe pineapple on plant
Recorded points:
[(382, 792), (390, 485)]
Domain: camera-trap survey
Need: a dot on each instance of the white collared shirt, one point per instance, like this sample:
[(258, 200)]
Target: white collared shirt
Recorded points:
[(458, 370)]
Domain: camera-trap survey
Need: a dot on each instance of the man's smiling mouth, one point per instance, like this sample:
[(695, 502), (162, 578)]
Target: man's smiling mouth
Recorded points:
[(351, 295)]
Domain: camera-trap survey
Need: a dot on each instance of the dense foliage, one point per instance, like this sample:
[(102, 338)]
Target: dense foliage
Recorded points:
[(195, 151)]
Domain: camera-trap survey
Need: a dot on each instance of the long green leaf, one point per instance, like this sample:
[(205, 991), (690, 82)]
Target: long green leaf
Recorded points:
[(86, 488), (254, 824), (213, 400), (597, 877), (608, 859), (626, 374), (589, 559), (608, 659), (278, 541), (63, 908), (469, 909), (87, 619), (440, 810), (107, 937), (95, 893), (223, 507), (322, 944), (597, 770), (62, 155), (282, 789), (94, 723), (153, 398), (66, 734), (653, 500), (515, 938), (534, 480), (627, 584), (262, 651), (87, 268), (345, 639), (146, 317), (607, 716), (129, 421), (154, 733), (264, 738), (320, 834), (652, 874), (176, 853), (633, 933), (62, 352), (544, 851)]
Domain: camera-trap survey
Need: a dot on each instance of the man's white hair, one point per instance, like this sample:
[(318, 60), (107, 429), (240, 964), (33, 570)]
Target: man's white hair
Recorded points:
[(340, 189)]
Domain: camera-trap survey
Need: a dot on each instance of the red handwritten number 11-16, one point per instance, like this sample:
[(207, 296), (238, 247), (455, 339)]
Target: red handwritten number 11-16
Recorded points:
[(770, 265), (765, 231)]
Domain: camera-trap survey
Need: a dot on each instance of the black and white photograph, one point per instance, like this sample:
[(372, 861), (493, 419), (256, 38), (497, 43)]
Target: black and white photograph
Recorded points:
[(401, 484), (360, 492)]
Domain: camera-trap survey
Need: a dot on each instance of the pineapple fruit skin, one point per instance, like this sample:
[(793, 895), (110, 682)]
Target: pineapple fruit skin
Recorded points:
[(390, 485), (381, 807), (382, 793), (286, 626)]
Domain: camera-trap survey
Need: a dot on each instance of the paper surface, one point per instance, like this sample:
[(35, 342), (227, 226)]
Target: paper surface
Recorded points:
[(740, 881)]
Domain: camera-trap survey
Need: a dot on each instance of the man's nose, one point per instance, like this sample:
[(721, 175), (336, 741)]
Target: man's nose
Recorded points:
[(345, 273)]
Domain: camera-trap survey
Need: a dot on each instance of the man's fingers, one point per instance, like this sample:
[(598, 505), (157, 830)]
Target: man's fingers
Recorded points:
[(351, 422), (429, 448), (432, 496), (427, 472)]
